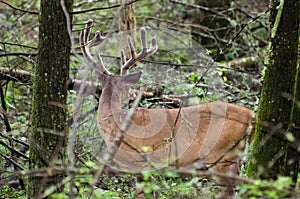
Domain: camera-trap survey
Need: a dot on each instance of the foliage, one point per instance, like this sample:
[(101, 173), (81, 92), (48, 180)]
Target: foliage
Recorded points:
[(9, 192), (280, 188), (171, 185)]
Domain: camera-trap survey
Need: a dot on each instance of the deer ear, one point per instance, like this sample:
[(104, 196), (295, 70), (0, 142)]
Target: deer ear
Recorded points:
[(131, 78)]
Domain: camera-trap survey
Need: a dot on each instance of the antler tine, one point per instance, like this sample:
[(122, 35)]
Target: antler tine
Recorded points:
[(98, 39), (83, 37), (143, 39), (85, 46), (87, 30), (123, 58), (138, 57)]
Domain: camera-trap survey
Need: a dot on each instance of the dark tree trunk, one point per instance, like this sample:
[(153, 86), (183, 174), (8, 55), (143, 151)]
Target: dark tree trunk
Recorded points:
[(211, 21), (49, 111), (273, 154)]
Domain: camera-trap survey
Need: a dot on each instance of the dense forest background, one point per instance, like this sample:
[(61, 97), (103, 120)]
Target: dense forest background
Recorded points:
[(208, 51)]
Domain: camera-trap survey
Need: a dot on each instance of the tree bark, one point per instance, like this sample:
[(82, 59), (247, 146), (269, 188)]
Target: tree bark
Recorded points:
[(273, 154), (49, 108), (127, 25), (294, 127), (211, 21)]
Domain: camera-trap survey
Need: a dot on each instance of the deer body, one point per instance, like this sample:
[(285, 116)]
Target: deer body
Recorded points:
[(171, 137)]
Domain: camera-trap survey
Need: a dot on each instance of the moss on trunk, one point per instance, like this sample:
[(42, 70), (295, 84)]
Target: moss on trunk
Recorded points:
[(270, 155), (49, 111)]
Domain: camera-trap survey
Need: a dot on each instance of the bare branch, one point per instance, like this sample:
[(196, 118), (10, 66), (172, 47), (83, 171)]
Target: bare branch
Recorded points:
[(15, 75), (19, 9), (105, 8), (17, 54)]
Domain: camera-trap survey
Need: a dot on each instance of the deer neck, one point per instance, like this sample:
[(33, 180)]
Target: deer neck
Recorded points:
[(109, 103)]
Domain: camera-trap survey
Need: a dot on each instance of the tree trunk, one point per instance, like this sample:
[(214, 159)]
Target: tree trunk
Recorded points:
[(272, 153), (49, 111), (127, 25), (211, 21), (294, 128)]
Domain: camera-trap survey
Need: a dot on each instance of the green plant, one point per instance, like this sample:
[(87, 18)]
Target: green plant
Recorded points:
[(9, 192), (280, 188)]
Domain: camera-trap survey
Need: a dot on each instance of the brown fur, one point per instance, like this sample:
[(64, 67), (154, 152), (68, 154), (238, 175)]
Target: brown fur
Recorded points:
[(173, 137)]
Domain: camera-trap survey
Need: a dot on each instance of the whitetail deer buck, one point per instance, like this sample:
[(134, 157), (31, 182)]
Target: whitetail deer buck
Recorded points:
[(155, 138)]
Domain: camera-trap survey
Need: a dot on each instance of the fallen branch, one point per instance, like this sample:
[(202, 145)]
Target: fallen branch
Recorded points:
[(15, 75), (90, 88)]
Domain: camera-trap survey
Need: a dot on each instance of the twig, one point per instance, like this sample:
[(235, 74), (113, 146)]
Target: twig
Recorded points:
[(203, 8), (19, 9), (16, 165), (20, 45), (13, 151), (15, 140), (17, 54), (105, 8)]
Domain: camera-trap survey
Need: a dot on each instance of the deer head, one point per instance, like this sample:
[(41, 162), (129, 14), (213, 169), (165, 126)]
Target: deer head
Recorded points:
[(108, 80)]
